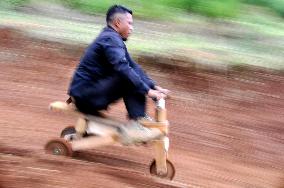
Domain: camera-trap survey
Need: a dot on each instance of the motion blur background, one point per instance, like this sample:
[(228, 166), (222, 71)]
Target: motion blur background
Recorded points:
[(223, 60), (215, 32)]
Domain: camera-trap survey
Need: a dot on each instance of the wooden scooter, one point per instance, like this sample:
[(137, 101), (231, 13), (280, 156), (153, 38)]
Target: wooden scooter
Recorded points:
[(93, 132)]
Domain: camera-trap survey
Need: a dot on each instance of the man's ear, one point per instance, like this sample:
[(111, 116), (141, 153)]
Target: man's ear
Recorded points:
[(117, 22)]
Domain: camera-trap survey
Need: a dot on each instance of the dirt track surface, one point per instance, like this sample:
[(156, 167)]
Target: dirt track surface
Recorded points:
[(227, 129)]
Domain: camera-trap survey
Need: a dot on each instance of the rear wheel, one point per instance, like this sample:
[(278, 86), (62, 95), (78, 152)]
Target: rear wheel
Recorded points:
[(69, 133)]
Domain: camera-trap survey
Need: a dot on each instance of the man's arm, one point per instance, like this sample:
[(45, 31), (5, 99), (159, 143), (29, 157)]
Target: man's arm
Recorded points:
[(115, 53), (145, 77), (140, 71)]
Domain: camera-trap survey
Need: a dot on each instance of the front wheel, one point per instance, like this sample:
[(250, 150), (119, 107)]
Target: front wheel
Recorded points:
[(170, 170)]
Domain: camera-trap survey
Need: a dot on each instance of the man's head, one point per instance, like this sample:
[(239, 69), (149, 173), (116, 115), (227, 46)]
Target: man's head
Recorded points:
[(120, 19)]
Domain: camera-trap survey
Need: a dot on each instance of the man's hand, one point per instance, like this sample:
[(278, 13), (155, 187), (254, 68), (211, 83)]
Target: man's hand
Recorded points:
[(155, 94), (162, 90)]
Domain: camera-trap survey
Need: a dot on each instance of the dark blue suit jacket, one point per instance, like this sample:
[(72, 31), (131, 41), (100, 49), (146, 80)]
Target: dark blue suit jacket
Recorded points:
[(106, 56)]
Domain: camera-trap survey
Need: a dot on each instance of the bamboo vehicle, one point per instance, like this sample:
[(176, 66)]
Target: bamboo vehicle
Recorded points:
[(92, 132)]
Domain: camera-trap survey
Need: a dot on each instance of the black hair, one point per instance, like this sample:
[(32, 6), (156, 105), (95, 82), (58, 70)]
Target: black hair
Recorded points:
[(116, 9)]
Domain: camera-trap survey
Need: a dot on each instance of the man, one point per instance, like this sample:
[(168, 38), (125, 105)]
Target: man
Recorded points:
[(107, 73)]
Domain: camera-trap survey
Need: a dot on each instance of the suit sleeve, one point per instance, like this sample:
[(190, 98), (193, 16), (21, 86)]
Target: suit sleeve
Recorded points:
[(115, 53), (140, 71)]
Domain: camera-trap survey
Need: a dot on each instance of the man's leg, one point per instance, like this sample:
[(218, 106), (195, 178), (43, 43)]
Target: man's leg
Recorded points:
[(97, 96), (135, 132), (106, 91), (135, 104)]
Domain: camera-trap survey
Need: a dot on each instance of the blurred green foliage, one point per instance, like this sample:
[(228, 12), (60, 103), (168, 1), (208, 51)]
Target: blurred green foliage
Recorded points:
[(12, 3), (162, 8), (276, 5), (165, 9), (215, 8)]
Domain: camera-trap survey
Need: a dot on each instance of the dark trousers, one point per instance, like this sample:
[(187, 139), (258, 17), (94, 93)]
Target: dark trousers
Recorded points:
[(96, 96)]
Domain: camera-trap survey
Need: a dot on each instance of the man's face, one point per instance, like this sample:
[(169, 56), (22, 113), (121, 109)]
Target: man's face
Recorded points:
[(125, 26)]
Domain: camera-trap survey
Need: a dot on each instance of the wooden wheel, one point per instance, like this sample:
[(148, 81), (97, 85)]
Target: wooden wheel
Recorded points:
[(59, 147), (170, 170), (69, 133)]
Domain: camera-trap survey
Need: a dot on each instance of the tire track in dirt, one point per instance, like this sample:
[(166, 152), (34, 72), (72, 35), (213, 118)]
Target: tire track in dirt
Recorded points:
[(36, 169)]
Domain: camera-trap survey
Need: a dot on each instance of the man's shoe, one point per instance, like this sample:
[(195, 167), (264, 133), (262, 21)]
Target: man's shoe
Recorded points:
[(145, 119), (134, 133)]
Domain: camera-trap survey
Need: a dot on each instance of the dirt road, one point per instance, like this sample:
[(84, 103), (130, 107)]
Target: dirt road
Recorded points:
[(227, 129)]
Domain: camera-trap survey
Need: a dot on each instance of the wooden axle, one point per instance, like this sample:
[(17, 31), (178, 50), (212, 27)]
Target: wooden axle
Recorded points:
[(162, 126), (93, 142), (161, 115), (161, 155), (162, 145)]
